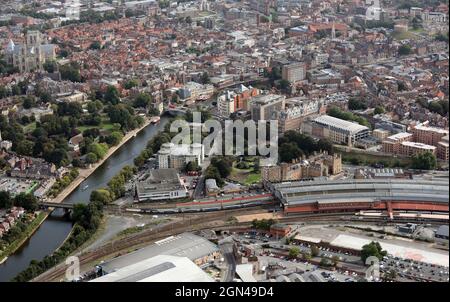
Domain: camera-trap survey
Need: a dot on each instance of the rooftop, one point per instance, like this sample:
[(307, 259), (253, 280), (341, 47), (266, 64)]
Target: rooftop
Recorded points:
[(340, 124), (182, 245), (161, 268), (418, 145)]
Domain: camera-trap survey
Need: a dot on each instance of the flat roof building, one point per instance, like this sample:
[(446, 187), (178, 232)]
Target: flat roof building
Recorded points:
[(267, 107), (337, 130), (162, 184), (161, 268), (195, 248), (171, 156)]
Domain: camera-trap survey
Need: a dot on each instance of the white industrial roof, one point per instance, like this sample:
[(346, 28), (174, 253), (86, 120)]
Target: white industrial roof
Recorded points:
[(245, 272), (340, 124), (182, 245), (406, 252), (161, 268)]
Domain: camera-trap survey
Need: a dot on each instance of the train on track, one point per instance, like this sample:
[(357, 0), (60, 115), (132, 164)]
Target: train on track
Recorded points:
[(201, 209)]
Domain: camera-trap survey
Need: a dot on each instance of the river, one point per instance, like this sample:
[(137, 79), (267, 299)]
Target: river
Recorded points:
[(54, 230)]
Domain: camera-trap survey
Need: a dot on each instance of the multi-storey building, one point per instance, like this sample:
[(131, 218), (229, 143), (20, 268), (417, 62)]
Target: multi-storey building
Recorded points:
[(236, 99), (428, 135), (317, 165), (413, 148), (296, 109), (177, 156), (267, 107), (392, 143), (294, 72), (336, 130), (162, 184), (442, 149)]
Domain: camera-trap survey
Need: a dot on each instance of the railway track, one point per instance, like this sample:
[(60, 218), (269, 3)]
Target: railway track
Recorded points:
[(195, 222)]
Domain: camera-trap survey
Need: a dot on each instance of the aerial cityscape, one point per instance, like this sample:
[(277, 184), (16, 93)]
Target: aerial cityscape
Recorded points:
[(224, 141)]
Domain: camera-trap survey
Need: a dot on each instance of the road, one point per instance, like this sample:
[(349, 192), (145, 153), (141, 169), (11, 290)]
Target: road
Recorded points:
[(226, 247), (200, 188)]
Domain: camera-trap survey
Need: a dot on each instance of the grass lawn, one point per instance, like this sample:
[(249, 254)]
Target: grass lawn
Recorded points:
[(30, 127), (368, 159), (244, 176), (404, 35), (253, 178), (104, 126)]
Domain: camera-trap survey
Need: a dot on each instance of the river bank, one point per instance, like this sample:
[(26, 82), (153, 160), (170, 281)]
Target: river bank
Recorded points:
[(31, 229), (55, 230), (85, 173)]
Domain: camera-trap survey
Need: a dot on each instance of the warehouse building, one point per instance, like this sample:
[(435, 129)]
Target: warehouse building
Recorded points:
[(196, 249), (161, 268)]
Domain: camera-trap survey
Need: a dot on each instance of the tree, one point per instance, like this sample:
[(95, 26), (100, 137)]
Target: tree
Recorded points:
[(335, 260), (142, 100), (124, 115), (404, 50), (289, 151), (95, 106), (91, 158), (372, 249), (130, 84), (70, 72), (284, 84), (25, 147), (112, 95), (102, 195), (50, 66), (294, 252), (99, 149), (424, 161), (213, 173), (192, 166), (26, 201), (114, 138), (29, 102), (356, 104), (223, 165), (205, 78), (325, 145), (5, 200), (417, 22), (436, 107), (379, 110), (314, 251), (59, 157), (95, 45), (401, 86), (324, 262)]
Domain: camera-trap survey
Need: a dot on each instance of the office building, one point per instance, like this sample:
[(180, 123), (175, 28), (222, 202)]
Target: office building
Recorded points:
[(161, 184), (336, 130), (267, 107), (171, 156), (294, 72)]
